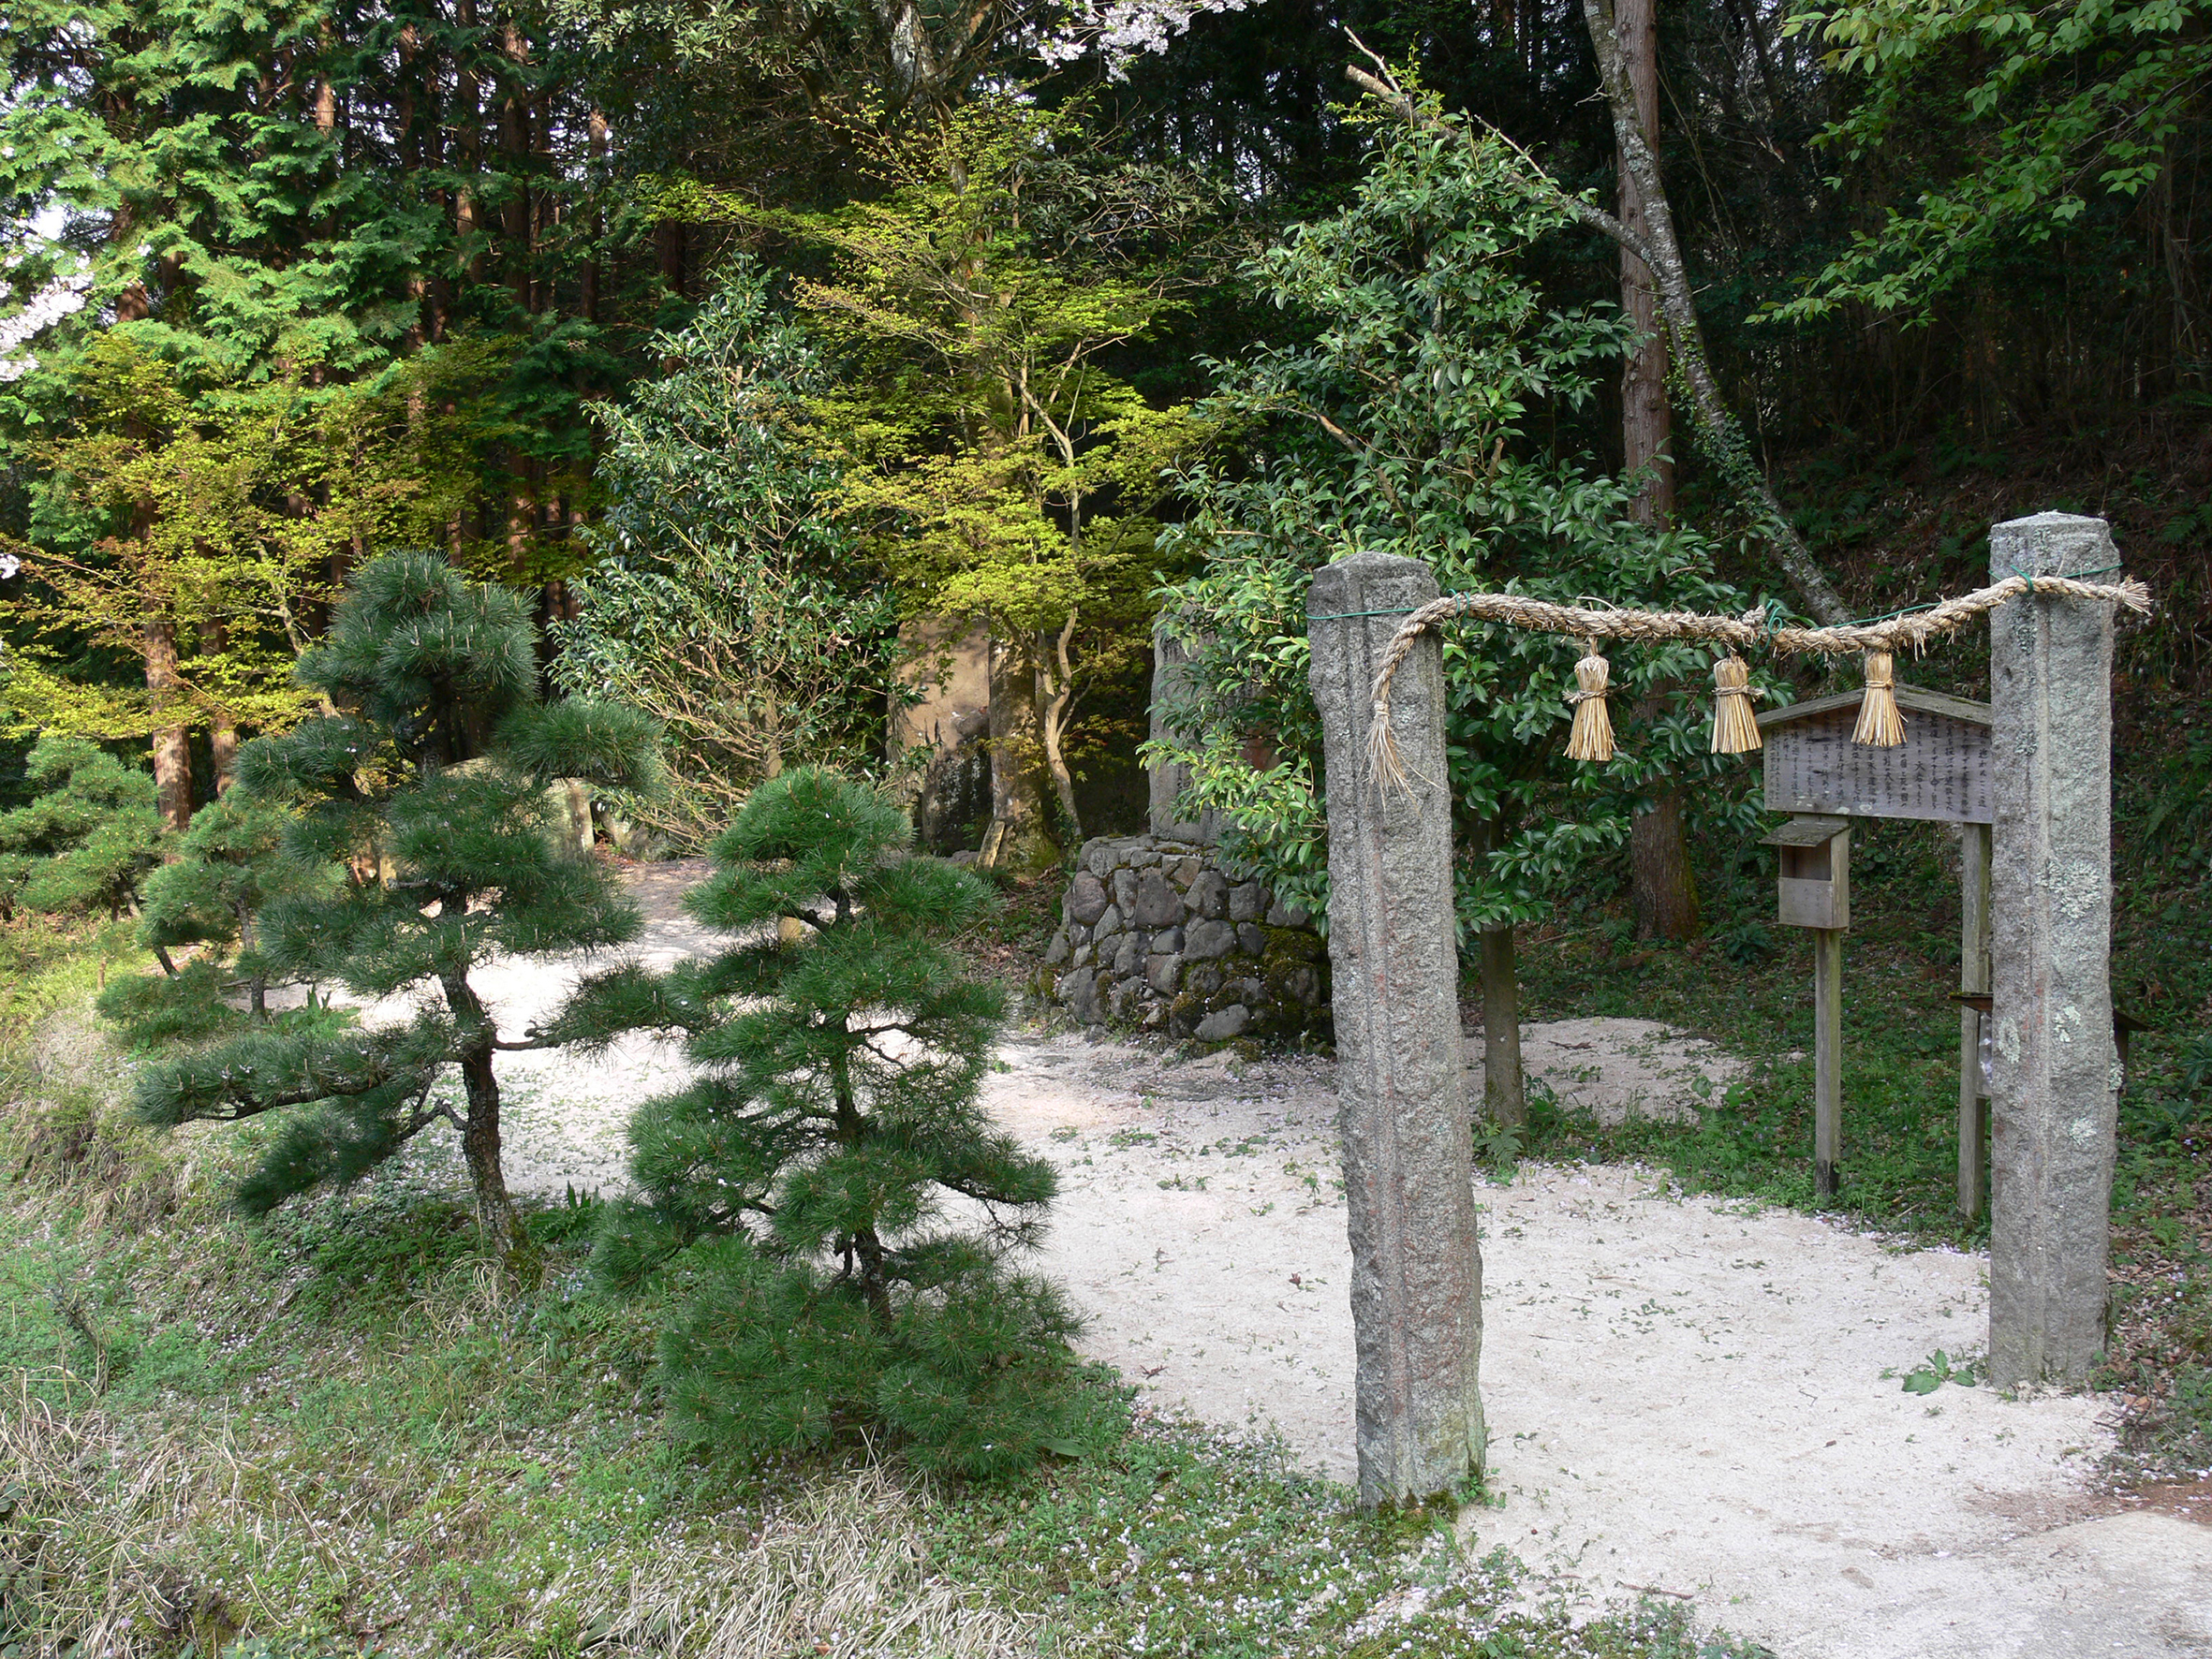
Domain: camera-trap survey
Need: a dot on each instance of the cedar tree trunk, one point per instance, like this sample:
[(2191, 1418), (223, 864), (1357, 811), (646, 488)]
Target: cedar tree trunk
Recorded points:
[(172, 748), (1659, 884)]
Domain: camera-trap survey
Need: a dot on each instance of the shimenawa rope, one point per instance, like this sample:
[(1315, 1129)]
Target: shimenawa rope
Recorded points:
[(1754, 629)]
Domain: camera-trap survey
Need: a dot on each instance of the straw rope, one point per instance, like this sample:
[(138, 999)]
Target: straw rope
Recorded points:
[(1754, 629)]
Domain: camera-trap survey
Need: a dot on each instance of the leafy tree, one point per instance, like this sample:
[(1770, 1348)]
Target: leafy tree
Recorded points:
[(798, 1188), (1401, 422), (729, 603), (1006, 470), (193, 527), (2013, 119), (450, 863), (87, 841)]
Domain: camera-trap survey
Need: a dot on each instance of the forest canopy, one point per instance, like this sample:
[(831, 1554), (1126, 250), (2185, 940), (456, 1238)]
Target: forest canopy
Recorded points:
[(993, 296)]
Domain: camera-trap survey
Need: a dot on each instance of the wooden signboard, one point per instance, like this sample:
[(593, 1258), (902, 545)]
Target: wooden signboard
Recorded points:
[(1939, 772)]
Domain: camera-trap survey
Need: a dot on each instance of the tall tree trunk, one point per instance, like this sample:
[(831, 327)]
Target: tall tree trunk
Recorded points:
[(222, 732), (1058, 697), (1664, 886), (1020, 838), (600, 140), (1646, 420), (1505, 1089), (173, 747), (668, 245), (468, 144), (1659, 886), (514, 150)]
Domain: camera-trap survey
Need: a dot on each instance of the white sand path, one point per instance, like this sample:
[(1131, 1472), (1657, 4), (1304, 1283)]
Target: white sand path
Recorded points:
[(1682, 1395)]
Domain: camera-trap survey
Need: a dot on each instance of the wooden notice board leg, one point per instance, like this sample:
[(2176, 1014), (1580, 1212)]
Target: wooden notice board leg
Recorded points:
[(1828, 1056), (1973, 977)]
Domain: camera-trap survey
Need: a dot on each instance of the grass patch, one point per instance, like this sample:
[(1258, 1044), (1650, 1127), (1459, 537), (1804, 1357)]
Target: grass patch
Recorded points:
[(342, 1434), (1746, 985)]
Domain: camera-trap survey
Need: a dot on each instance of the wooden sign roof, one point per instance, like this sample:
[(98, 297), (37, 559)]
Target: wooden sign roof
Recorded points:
[(1910, 697), (1940, 771)]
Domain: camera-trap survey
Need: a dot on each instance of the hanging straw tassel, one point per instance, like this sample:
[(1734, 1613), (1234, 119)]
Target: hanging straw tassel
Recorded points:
[(1592, 736), (1735, 728), (1881, 727)]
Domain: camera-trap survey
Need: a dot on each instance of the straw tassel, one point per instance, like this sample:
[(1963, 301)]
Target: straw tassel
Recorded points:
[(1592, 736), (1881, 727), (1735, 728)]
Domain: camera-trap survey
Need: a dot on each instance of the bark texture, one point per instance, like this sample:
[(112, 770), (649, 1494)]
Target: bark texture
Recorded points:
[(1663, 883), (1505, 1086), (171, 743), (1020, 837)]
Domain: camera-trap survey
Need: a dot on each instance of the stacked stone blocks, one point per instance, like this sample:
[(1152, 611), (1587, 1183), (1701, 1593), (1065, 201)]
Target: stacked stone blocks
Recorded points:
[(1153, 936)]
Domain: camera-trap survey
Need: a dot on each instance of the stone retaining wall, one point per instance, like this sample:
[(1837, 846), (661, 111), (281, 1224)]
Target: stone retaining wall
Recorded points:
[(1155, 937)]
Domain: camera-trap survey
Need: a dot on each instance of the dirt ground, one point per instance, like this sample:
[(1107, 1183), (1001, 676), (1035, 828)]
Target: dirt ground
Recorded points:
[(1683, 1397)]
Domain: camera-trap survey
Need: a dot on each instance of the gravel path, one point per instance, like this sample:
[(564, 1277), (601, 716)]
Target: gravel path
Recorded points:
[(1682, 1395)]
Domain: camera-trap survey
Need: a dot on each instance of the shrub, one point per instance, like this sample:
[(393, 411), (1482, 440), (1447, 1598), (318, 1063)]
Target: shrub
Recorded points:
[(450, 865), (88, 839), (799, 1190)]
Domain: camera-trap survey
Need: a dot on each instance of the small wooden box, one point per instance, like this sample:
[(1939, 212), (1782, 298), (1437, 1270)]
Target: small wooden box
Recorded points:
[(1815, 885)]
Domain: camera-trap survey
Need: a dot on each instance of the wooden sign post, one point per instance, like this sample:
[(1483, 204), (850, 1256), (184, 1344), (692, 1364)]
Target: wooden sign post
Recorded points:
[(1939, 773), (1815, 892)]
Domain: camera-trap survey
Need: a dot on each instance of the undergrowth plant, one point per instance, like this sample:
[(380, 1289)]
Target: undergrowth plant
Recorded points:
[(837, 1208), (88, 840)]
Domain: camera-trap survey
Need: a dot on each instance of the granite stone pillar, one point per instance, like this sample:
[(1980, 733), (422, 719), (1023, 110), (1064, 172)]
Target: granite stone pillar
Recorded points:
[(2056, 1070), (1408, 1166), (1165, 783)]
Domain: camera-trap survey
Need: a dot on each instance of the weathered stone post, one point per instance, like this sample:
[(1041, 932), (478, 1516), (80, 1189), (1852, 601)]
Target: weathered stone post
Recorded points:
[(1973, 979), (2055, 1072), (1170, 676), (1409, 1166)]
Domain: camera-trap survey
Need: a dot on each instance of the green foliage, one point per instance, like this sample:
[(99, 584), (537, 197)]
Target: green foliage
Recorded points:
[(799, 1190), (728, 602), (208, 508), (448, 861), (87, 841), (1403, 422), (1001, 466), (225, 868), (2015, 119), (1934, 1370)]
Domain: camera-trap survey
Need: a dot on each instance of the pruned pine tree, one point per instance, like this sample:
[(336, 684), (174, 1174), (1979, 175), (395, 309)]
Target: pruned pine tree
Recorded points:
[(88, 840), (449, 863), (839, 1212), (227, 868)]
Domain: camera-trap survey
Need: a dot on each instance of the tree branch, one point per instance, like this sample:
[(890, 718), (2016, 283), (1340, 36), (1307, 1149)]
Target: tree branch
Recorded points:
[(1662, 256)]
